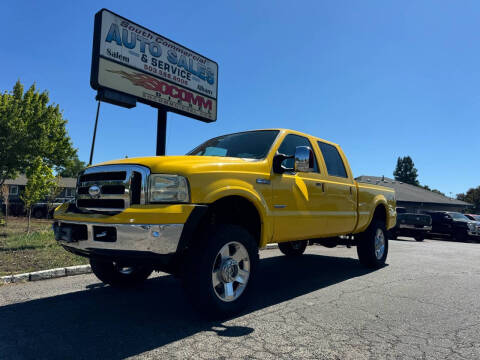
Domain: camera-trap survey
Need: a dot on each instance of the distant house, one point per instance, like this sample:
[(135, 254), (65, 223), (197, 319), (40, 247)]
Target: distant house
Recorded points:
[(17, 186), (416, 199)]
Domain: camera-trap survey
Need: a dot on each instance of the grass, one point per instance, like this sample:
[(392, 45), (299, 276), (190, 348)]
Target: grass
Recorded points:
[(21, 252)]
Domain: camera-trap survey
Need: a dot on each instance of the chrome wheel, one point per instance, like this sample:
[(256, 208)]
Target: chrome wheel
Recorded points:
[(230, 272), (379, 243)]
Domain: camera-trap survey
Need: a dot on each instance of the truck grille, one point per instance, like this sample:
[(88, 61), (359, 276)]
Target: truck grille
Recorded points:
[(119, 186)]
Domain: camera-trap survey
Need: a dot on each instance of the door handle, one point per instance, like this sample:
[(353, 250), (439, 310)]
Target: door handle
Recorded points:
[(322, 185)]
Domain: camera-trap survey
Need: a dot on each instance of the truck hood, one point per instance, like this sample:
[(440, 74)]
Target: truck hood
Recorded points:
[(187, 164)]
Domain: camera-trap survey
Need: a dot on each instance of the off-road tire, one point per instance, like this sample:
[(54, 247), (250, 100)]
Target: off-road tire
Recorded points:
[(366, 245), (197, 273), (293, 248), (109, 273)]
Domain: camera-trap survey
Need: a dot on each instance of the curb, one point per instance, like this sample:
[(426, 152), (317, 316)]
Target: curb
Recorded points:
[(47, 274), (67, 271)]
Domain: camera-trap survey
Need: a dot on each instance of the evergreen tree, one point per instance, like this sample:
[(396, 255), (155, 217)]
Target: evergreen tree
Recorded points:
[(405, 171)]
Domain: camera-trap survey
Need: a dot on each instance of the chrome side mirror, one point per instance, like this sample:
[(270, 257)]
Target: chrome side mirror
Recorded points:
[(304, 159)]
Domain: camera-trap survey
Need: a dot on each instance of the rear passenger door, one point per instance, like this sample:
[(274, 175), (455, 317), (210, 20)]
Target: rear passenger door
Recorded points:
[(340, 202)]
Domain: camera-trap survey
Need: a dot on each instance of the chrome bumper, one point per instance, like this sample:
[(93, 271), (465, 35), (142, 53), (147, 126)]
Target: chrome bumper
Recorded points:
[(156, 238), (413, 227)]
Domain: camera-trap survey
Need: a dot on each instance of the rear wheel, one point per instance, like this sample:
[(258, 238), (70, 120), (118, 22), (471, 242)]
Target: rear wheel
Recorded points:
[(220, 269), (460, 235), (293, 248), (117, 275), (372, 248), (419, 237)]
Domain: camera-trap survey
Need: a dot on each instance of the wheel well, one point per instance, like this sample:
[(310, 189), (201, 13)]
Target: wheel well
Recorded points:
[(380, 214), (235, 210)]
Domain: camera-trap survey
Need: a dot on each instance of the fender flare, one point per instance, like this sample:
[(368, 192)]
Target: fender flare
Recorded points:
[(257, 201)]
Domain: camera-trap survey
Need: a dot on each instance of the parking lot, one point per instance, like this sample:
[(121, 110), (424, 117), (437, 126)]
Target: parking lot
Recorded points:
[(423, 305)]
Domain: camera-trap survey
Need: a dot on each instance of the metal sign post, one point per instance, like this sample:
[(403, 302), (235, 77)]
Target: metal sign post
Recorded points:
[(94, 134), (161, 131)]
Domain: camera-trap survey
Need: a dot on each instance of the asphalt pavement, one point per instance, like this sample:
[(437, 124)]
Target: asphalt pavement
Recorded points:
[(424, 304)]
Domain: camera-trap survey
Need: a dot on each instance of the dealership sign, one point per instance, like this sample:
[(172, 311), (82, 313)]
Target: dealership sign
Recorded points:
[(133, 60)]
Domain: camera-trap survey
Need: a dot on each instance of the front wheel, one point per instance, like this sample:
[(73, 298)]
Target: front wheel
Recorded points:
[(219, 271), (116, 275), (293, 248), (372, 248)]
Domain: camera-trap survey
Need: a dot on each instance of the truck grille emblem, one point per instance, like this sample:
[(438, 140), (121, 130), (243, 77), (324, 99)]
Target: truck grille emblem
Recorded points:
[(94, 190)]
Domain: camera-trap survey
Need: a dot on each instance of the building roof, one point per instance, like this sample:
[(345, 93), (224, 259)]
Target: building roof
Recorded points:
[(411, 193), (22, 181)]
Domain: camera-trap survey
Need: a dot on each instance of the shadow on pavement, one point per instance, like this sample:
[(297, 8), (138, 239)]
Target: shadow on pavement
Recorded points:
[(102, 322)]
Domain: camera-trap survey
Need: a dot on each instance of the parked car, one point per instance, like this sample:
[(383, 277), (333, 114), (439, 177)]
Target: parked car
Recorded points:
[(475, 218), (452, 224), (411, 225), (204, 216), (42, 210)]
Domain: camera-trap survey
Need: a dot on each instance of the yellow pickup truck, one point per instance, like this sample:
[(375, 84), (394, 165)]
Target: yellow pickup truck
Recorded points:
[(204, 216)]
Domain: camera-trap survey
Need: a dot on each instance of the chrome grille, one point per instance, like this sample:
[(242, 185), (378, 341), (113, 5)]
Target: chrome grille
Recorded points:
[(120, 186)]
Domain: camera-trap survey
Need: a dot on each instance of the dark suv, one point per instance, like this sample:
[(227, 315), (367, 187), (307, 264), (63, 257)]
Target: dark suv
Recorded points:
[(452, 224), (411, 224)]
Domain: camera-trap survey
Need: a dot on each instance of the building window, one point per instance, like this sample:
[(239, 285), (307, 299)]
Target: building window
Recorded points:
[(13, 190), (69, 192)]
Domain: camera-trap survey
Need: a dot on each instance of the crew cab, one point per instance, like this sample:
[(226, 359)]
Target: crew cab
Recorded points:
[(204, 216)]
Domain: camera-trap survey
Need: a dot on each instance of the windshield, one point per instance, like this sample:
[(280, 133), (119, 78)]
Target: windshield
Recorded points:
[(248, 145), (459, 216), (474, 217)]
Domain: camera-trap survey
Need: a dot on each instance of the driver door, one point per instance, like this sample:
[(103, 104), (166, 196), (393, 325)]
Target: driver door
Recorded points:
[(297, 201)]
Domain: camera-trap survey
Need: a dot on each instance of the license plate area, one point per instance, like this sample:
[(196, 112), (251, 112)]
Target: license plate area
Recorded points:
[(70, 232)]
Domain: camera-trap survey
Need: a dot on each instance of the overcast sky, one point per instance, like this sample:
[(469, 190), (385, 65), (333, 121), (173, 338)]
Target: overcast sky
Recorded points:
[(381, 78)]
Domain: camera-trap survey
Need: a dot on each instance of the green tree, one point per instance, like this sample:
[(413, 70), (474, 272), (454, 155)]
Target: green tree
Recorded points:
[(40, 183), (5, 192), (405, 171), (73, 167), (472, 196), (55, 190), (31, 127)]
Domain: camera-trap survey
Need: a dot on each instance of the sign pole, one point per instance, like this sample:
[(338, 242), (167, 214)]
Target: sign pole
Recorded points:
[(161, 131), (94, 134)]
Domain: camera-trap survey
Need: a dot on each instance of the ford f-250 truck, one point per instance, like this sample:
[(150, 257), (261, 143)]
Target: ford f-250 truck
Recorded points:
[(204, 216)]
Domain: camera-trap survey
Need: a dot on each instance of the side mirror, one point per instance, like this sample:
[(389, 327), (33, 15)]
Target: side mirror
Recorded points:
[(277, 163), (304, 159)]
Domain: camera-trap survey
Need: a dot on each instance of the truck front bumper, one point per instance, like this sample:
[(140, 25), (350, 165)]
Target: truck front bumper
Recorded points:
[(99, 238), (140, 233)]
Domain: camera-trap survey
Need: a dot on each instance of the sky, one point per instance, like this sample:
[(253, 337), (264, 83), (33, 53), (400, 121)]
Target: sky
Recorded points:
[(381, 78)]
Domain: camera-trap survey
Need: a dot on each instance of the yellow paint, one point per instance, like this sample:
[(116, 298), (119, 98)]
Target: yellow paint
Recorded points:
[(291, 207)]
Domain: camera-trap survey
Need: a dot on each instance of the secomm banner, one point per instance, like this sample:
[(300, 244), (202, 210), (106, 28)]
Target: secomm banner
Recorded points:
[(136, 61)]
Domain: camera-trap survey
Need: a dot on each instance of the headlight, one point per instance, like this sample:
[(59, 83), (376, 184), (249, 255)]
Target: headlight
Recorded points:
[(471, 226), (168, 188)]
